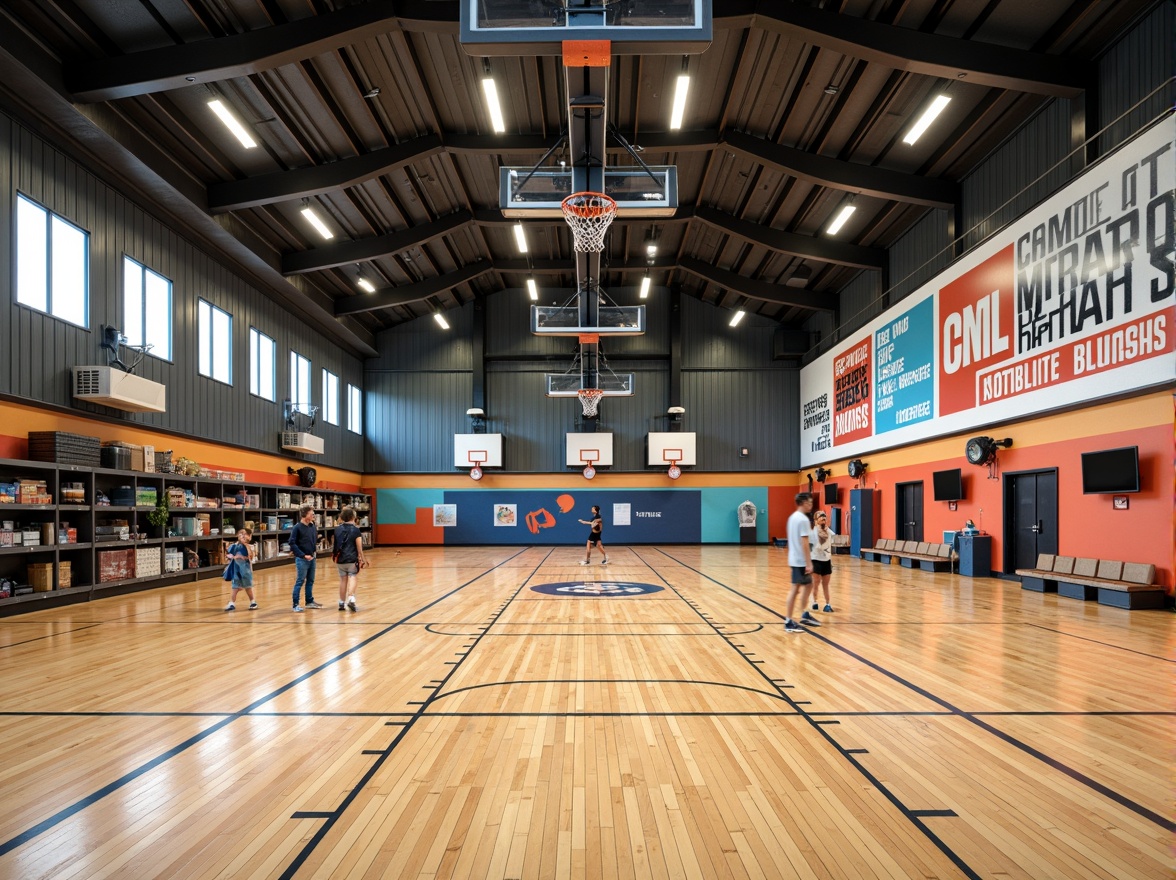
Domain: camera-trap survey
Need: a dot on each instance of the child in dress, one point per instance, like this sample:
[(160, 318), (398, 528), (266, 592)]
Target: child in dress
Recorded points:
[(241, 552)]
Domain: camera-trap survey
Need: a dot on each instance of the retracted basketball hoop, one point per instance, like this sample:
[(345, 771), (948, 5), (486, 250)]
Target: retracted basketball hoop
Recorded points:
[(589, 214), (589, 457), (673, 456), (590, 400), (477, 458)]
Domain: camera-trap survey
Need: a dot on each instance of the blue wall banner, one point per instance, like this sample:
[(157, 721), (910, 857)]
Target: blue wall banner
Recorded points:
[(594, 590), (655, 516), (904, 369)]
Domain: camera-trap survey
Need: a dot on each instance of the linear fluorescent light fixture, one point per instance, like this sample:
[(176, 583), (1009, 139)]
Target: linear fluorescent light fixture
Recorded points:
[(645, 282), (520, 238), (736, 318), (929, 116), (232, 123), (363, 284), (844, 214), (440, 319), (532, 290), (314, 220), (490, 90), (680, 92)]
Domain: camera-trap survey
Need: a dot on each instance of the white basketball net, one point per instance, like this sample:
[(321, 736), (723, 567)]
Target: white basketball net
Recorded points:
[(590, 400), (589, 214)]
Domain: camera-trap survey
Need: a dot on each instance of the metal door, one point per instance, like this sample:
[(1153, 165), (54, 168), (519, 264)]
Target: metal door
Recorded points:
[(908, 511), (1031, 528)]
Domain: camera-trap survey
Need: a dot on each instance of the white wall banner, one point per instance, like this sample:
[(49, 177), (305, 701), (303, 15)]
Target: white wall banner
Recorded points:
[(1072, 302)]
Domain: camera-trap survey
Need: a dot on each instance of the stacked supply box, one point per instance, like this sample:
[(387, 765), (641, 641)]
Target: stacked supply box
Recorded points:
[(173, 560), (115, 565), (147, 562), (64, 448), (40, 576)]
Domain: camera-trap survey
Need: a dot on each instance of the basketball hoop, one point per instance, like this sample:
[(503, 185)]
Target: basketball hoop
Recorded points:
[(673, 456), (589, 457), (590, 400), (589, 214), (477, 457)]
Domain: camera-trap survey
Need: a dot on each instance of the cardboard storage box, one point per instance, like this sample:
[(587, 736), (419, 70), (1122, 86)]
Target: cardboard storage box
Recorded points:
[(115, 565), (41, 576)]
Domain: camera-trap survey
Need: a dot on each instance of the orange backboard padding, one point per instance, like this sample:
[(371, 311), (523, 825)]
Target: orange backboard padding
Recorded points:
[(589, 337), (587, 53)]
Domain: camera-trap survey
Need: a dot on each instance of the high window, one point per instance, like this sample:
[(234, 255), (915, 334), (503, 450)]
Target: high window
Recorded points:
[(300, 383), (215, 342), (354, 410), (263, 365), (330, 397), (147, 309), (52, 263)]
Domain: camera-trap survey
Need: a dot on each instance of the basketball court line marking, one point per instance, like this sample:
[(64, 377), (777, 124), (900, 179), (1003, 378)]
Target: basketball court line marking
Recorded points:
[(337, 813), (819, 727), (79, 805), (1076, 775)]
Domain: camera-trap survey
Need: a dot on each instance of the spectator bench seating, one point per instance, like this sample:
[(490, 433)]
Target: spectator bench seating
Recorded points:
[(913, 554), (1121, 584), (841, 544)]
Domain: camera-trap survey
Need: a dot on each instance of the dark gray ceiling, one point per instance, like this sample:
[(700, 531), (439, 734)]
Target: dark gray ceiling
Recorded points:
[(793, 107)]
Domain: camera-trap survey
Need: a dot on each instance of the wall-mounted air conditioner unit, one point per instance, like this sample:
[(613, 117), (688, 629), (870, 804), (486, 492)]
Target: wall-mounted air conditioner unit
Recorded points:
[(114, 388), (300, 441)]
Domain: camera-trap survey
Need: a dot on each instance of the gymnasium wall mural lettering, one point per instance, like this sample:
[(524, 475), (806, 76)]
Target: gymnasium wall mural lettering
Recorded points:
[(1073, 302)]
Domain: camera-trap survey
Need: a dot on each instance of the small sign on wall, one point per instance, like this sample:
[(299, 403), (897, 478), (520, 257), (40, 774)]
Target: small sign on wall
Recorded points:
[(1121, 502)]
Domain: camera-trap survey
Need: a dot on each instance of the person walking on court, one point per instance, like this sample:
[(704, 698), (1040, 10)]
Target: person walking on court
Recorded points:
[(348, 557), (800, 560), (822, 550), (304, 547), (594, 536), (241, 553)]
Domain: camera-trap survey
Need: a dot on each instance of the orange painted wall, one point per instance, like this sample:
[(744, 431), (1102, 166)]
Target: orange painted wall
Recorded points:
[(258, 467), (1087, 524)]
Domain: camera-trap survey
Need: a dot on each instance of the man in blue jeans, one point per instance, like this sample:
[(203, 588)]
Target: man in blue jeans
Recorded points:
[(304, 547)]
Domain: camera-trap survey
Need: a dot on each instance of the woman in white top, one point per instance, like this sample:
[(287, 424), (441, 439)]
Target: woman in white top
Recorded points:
[(821, 542)]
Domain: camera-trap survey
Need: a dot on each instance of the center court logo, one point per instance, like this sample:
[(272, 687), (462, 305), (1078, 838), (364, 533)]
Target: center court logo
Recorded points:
[(597, 588)]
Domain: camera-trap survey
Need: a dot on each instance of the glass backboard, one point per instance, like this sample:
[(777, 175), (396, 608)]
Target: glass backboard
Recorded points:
[(565, 321), (638, 193), (539, 27)]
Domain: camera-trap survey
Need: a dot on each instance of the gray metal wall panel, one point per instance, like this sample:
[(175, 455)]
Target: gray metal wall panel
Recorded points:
[(918, 255), (1018, 174), (41, 349), (733, 391), (709, 342), (412, 420), (755, 408), (1130, 72), (861, 302)]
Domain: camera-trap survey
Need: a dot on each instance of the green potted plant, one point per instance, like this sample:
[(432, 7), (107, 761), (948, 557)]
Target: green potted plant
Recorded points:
[(161, 515)]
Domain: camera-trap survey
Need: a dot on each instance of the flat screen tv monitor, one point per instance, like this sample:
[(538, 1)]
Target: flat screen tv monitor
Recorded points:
[(830, 493), (1110, 471), (948, 485)]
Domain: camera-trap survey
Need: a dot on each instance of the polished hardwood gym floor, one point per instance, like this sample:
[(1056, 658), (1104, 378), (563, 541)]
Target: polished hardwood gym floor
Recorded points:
[(464, 725)]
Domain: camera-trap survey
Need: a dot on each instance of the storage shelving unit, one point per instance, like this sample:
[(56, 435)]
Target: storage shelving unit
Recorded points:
[(115, 542)]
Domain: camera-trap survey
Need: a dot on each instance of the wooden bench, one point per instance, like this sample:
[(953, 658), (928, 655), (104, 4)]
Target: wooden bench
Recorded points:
[(1120, 584), (880, 552), (924, 555), (841, 544)]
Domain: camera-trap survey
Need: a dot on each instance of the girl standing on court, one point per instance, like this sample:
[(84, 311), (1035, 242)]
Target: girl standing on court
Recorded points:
[(822, 544), (348, 558), (241, 553)]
